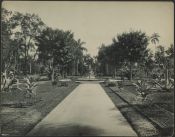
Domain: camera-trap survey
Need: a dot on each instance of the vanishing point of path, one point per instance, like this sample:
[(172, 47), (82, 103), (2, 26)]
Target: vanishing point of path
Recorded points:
[(86, 111)]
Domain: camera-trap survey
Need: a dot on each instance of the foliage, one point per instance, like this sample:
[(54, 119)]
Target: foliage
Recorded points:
[(18, 39), (129, 53), (154, 38), (6, 41), (143, 87), (163, 85), (26, 27), (134, 45), (58, 49), (127, 49)]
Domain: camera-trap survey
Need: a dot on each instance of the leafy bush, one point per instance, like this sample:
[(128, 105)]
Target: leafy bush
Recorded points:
[(143, 88), (162, 84), (120, 84)]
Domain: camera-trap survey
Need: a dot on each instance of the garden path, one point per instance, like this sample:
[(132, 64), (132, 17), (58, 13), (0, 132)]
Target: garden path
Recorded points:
[(86, 111)]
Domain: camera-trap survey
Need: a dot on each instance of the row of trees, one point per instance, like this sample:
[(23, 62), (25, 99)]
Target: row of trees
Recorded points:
[(29, 46), (128, 52), (18, 39), (59, 51)]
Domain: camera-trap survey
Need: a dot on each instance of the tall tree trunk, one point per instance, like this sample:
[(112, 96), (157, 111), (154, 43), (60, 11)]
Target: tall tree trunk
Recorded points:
[(18, 61), (77, 67), (26, 53), (25, 67), (3, 79), (115, 71), (130, 71), (166, 77), (107, 69), (63, 71), (15, 65), (53, 70), (53, 73), (122, 77), (89, 71), (74, 67)]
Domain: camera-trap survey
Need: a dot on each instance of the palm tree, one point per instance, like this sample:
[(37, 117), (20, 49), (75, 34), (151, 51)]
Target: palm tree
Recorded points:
[(154, 38), (79, 53)]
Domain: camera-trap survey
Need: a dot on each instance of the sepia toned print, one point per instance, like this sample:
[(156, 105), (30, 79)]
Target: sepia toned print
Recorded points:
[(87, 68)]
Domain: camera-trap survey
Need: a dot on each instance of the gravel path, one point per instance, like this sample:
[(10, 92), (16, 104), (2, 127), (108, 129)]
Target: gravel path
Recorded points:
[(86, 111)]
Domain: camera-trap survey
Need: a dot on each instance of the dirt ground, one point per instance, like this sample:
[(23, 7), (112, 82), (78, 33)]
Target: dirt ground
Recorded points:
[(20, 120)]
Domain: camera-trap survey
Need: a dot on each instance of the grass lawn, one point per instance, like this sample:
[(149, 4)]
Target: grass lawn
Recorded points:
[(141, 125), (20, 120), (158, 110)]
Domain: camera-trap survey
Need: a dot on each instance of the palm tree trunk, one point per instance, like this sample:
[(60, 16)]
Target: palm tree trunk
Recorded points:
[(107, 69), (25, 67), (130, 71), (166, 77), (53, 73), (15, 65), (18, 61), (77, 68), (115, 71), (74, 67)]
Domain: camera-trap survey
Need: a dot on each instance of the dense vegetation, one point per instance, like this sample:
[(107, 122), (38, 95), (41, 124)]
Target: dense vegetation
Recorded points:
[(129, 56), (31, 47)]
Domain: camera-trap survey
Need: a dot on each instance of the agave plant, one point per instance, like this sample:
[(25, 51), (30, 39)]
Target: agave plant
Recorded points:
[(143, 88), (30, 84), (163, 85)]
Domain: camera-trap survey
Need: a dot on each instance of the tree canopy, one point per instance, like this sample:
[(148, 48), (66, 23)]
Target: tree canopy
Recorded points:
[(29, 41), (130, 47)]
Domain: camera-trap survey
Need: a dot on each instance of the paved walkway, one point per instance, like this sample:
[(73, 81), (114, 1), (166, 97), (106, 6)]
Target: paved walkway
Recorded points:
[(86, 111)]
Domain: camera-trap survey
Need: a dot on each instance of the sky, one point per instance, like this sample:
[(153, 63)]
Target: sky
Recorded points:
[(98, 22)]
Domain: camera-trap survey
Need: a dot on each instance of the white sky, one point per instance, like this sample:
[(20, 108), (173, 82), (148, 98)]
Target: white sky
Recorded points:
[(98, 22)]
